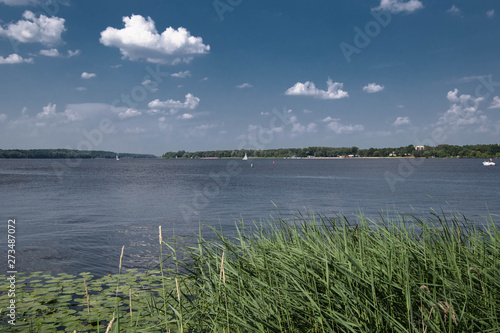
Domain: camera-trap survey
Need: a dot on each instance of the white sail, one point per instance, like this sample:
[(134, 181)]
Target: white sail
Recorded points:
[(245, 157)]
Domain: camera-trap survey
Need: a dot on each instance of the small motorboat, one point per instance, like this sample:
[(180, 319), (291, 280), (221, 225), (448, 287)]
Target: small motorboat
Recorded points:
[(489, 163)]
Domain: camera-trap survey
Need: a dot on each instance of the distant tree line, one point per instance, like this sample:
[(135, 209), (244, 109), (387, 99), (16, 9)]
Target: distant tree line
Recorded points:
[(469, 151), (66, 153)]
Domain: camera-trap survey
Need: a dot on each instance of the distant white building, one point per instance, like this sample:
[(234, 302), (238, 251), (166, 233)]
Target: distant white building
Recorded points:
[(419, 147)]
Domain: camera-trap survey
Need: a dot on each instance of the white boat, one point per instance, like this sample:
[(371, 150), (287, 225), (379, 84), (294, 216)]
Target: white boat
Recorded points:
[(245, 157), (489, 163), (117, 158)]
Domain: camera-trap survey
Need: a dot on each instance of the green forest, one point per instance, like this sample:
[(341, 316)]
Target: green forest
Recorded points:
[(440, 151), (66, 153)]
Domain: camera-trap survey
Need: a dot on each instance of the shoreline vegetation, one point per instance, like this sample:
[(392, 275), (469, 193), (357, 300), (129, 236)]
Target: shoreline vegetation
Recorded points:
[(66, 153), (410, 151), (304, 274)]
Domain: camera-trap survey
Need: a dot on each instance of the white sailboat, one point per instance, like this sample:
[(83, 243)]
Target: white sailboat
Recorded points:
[(117, 158), (245, 157)]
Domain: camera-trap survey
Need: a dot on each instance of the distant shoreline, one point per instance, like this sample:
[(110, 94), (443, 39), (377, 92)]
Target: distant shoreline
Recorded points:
[(410, 151), (66, 153)]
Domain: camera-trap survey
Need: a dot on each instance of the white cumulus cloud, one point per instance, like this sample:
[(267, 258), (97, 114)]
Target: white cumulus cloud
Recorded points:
[(50, 53), (48, 111), (400, 6), (464, 110), (129, 113), (298, 128), (336, 126), (495, 104), (308, 88), (191, 102), (181, 74), (87, 76), (327, 119), (42, 29), (401, 121), (15, 59), (373, 88), (186, 116), (139, 40)]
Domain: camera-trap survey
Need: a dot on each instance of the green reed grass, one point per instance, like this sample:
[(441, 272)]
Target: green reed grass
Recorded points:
[(331, 275), (305, 274)]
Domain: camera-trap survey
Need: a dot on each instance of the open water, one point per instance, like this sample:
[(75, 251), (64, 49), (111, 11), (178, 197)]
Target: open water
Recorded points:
[(74, 216)]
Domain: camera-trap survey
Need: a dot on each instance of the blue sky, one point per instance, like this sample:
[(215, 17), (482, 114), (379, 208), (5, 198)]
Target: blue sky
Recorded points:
[(155, 76)]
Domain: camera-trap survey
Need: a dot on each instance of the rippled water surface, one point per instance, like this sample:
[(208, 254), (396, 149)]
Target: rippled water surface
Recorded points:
[(74, 217)]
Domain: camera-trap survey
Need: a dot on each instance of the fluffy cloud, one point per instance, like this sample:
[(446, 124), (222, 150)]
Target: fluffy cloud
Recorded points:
[(464, 110), (15, 59), (129, 113), (140, 40), (337, 127), (191, 103), (48, 111), (185, 116), (495, 104), (244, 85), (181, 75), (87, 76), (308, 88), (44, 30), (490, 13), (400, 6), (298, 128), (373, 88), (50, 53), (56, 53), (401, 121)]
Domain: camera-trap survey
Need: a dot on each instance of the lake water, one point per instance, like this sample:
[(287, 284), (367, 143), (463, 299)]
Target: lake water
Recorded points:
[(75, 217)]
